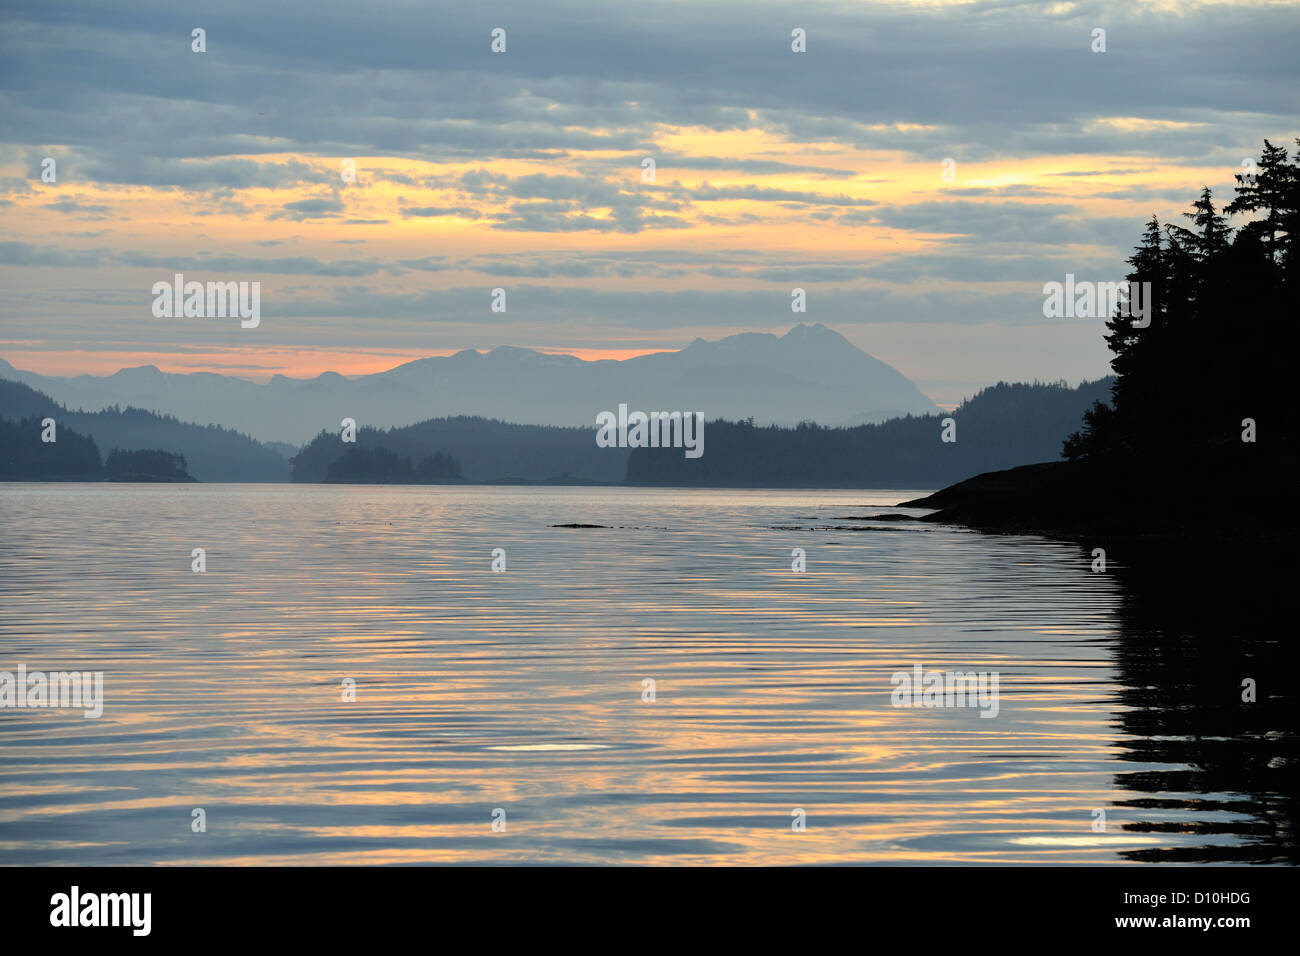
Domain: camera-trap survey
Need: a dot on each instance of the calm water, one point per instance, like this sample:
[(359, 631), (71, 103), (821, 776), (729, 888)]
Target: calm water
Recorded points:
[(523, 690)]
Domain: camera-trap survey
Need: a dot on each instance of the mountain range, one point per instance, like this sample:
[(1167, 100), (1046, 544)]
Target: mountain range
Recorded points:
[(212, 453), (809, 374), (1000, 427)]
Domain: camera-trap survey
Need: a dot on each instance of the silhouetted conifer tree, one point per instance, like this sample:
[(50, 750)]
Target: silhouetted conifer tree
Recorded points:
[(1213, 354)]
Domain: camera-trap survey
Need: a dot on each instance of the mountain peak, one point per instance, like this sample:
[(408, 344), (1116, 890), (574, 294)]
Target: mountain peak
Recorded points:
[(815, 333), (512, 352), (138, 373)]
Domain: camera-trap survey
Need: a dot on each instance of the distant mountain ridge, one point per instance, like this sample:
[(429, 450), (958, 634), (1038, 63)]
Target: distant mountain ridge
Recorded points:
[(213, 453), (809, 374), (1002, 426), (487, 451)]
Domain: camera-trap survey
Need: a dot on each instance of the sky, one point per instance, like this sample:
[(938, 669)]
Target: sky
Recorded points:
[(920, 170)]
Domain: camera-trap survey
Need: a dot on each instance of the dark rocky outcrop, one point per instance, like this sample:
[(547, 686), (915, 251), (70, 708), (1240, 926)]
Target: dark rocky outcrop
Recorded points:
[(1231, 497)]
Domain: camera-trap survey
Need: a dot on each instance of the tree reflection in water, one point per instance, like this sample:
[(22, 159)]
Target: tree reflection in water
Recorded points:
[(1195, 622)]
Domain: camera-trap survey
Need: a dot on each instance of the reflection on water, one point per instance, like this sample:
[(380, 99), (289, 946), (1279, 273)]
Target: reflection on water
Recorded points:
[(523, 691), (1221, 773)]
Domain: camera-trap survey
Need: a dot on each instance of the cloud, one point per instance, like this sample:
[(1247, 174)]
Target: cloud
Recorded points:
[(982, 80), (28, 254), (72, 207), (305, 209), (1014, 222), (707, 193), (463, 212), (229, 173), (157, 138)]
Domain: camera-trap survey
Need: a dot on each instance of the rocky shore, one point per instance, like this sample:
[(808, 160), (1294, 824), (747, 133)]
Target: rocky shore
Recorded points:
[(1228, 498)]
